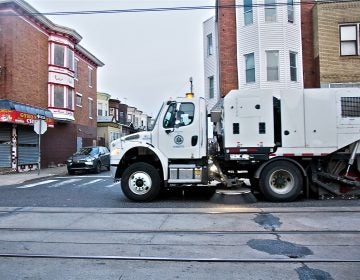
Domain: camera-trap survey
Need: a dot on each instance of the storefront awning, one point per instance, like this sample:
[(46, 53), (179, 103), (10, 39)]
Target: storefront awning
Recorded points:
[(15, 112)]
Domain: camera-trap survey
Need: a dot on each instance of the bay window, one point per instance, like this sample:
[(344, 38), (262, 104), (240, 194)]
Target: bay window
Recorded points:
[(62, 97), (63, 56)]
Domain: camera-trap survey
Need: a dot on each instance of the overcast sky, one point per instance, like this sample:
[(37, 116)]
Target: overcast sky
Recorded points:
[(148, 56)]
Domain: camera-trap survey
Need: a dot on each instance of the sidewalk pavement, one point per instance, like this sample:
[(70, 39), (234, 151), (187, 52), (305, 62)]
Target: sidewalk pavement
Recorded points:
[(18, 178)]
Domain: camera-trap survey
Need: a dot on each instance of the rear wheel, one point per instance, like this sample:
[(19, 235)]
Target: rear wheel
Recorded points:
[(281, 181), (141, 182)]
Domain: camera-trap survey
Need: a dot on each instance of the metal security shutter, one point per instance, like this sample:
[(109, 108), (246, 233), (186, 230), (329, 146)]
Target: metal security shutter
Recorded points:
[(5, 147), (28, 152)]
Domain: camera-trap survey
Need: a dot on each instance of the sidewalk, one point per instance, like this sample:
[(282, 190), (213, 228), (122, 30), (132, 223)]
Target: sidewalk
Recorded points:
[(18, 178)]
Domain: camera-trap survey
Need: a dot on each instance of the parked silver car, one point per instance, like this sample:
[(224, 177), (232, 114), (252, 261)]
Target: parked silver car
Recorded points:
[(89, 159)]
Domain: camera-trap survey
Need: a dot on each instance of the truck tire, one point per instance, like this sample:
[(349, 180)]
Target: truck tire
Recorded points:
[(281, 181), (141, 182)]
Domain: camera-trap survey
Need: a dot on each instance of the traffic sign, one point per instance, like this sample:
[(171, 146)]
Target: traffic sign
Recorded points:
[(41, 117), (40, 126)]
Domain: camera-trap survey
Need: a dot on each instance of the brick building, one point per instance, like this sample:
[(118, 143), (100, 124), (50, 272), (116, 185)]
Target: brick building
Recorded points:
[(44, 71), (335, 44)]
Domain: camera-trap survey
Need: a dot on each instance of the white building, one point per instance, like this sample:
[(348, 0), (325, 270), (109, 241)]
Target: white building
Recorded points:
[(269, 49), (211, 74), (268, 46)]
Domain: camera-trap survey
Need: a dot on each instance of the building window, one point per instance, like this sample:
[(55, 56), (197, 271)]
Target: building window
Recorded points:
[(63, 56), (70, 99), (290, 10), (90, 76), (211, 87), (59, 55), (76, 69), (91, 102), (62, 97), (59, 96), (293, 68), (270, 10), (78, 99), (248, 12), (250, 68), (348, 40), (272, 65), (100, 109), (210, 49)]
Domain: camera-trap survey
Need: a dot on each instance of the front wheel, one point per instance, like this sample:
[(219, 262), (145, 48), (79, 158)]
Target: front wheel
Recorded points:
[(141, 182), (281, 181)]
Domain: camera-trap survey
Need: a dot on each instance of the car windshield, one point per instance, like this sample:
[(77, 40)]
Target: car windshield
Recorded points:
[(88, 151)]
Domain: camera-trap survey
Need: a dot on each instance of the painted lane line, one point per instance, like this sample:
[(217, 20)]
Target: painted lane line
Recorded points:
[(64, 183), (91, 182), (112, 185), (36, 184)]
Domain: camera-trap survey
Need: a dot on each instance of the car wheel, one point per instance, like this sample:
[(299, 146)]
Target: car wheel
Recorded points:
[(141, 182), (98, 167), (281, 181), (71, 172)]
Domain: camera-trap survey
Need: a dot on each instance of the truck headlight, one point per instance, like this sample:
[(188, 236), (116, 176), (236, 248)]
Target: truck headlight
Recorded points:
[(116, 152)]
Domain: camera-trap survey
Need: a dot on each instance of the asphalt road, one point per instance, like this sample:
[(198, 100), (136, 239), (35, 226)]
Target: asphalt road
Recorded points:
[(82, 227), (98, 190)]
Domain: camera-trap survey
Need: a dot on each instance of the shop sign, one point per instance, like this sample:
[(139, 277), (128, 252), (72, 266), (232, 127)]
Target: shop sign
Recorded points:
[(12, 116)]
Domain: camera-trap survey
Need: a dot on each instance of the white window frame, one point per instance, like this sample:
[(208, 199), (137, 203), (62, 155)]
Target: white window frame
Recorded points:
[(76, 68), (211, 81), (248, 13), (210, 45), (90, 107), (270, 11), (66, 91), (76, 101), (90, 76), (271, 68), (346, 39), (290, 11), (293, 68), (67, 59), (248, 68)]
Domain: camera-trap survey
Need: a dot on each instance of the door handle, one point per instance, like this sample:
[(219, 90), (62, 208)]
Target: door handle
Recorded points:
[(194, 140)]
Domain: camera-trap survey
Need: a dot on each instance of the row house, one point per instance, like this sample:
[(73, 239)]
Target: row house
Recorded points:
[(252, 44), (116, 119), (331, 38), (281, 44), (44, 73)]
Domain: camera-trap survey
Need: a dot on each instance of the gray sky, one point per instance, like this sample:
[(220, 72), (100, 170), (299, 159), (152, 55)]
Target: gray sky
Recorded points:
[(148, 56)]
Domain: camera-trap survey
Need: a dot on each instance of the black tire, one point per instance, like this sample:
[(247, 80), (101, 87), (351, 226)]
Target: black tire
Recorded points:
[(281, 181), (108, 167), (98, 167), (141, 182), (71, 172)]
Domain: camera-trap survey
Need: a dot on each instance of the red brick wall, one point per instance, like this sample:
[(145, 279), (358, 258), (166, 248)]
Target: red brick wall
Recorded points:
[(309, 63), (227, 46), (82, 86), (24, 52)]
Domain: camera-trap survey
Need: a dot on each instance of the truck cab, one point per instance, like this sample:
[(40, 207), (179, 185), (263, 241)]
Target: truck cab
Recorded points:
[(173, 152)]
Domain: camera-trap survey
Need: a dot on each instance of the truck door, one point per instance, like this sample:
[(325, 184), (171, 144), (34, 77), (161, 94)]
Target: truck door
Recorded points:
[(180, 131)]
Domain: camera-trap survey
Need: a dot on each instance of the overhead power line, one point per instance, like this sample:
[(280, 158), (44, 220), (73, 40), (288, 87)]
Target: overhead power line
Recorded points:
[(185, 8)]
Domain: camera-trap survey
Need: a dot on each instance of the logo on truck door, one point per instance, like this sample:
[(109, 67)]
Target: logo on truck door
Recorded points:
[(178, 139)]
